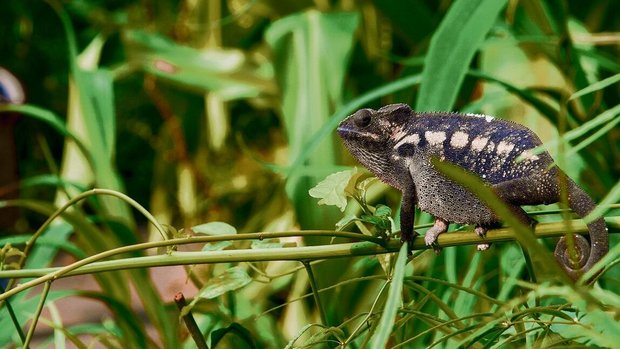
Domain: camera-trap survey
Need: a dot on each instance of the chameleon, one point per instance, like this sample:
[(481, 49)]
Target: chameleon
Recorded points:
[(398, 144)]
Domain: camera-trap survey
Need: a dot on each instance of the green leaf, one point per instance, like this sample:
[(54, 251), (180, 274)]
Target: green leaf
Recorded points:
[(331, 190), (269, 243), (236, 329), (230, 73), (47, 117), (215, 228), (230, 280), (354, 185), (382, 334), (383, 211), (345, 221), (452, 48), (311, 52), (599, 85), (216, 246)]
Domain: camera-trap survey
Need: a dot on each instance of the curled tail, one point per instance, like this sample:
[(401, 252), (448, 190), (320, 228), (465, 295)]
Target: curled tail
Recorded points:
[(588, 253)]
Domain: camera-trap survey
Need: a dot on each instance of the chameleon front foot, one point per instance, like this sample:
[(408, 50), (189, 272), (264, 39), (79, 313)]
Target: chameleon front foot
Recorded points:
[(482, 232)]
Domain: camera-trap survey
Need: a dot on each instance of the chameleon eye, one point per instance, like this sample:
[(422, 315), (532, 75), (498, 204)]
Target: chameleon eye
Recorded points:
[(362, 118)]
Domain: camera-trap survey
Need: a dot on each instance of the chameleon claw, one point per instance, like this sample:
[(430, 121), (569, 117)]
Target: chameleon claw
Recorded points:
[(433, 233), (483, 247), (482, 233)]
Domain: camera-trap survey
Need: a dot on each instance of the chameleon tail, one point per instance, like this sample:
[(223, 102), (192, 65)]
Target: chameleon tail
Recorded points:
[(587, 253)]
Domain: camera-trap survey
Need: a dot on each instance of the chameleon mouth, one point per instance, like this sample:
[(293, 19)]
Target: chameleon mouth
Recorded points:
[(344, 131), (347, 132)]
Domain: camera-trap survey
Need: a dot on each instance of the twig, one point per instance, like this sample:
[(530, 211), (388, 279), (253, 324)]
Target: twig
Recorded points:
[(190, 322)]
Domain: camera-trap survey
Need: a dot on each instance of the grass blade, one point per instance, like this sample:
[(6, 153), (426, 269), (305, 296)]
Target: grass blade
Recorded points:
[(452, 48), (384, 330)]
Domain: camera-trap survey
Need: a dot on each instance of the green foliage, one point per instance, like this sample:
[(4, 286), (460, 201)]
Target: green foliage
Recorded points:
[(218, 117), (451, 50), (333, 189), (392, 304)]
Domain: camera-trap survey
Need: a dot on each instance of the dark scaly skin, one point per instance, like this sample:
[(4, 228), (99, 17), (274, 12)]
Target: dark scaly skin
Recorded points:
[(396, 144)]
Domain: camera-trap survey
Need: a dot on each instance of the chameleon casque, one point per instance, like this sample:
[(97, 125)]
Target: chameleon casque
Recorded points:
[(397, 145)]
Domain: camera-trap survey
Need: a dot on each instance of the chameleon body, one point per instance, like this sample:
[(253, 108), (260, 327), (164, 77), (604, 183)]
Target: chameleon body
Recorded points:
[(397, 145)]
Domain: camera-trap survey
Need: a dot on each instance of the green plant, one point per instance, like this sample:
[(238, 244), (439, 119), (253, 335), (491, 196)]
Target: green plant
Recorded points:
[(224, 111)]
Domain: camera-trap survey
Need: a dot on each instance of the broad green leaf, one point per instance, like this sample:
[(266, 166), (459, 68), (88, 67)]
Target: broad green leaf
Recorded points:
[(331, 190), (126, 317), (451, 50), (236, 329), (386, 324), (43, 254), (215, 228), (24, 306), (311, 53), (230, 73), (91, 118), (230, 280), (51, 180)]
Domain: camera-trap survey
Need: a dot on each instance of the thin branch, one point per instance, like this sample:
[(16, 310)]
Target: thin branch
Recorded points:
[(88, 265), (190, 322), (315, 292)]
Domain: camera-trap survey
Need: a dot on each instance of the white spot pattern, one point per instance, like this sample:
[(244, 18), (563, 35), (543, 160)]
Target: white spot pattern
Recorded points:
[(479, 143), (459, 139), (504, 147), (435, 137), (411, 139)]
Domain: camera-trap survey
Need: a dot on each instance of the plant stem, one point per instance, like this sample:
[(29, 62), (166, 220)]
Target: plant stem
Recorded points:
[(315, 292), (87, 265), (190, 322), (35, 319)]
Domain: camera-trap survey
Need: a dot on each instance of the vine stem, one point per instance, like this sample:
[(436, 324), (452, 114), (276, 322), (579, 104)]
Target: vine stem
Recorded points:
[(367, 247), (315, 292)]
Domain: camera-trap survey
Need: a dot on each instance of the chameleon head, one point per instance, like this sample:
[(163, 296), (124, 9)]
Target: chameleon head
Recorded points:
[(370, 136)]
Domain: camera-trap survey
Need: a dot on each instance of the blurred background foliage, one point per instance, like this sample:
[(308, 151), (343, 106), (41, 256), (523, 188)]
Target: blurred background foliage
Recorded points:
[(224, 111)]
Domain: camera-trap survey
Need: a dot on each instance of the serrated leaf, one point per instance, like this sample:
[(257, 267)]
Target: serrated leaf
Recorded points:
[(383, 211), (215, 228), (331, 190), (383, 224), (363, 185), (351, 187), (230, 280)]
